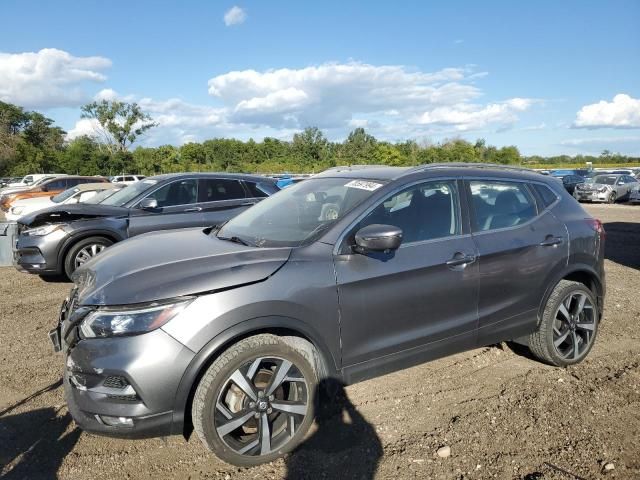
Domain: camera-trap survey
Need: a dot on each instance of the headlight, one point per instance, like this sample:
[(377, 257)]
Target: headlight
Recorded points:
[(42, 231), (603, 189), (17, 210), (112, 321)]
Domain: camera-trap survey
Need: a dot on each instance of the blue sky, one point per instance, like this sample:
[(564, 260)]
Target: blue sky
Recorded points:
[(548, 77)]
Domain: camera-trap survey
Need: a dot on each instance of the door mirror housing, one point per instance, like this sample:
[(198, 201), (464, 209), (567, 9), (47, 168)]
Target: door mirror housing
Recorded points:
[(148, 204), (378, 238)]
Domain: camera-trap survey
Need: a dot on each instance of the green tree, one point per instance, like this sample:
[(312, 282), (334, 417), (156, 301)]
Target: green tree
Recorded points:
[(120, 123)]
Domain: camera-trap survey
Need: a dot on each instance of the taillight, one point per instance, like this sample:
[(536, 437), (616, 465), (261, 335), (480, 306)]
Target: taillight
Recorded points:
[(597, 226)]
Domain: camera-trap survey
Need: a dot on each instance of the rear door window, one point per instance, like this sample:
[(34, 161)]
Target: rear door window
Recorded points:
[(498, 204), (217, 189)]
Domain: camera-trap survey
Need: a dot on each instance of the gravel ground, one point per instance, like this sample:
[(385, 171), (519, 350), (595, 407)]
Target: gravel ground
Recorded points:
[(501, 414)]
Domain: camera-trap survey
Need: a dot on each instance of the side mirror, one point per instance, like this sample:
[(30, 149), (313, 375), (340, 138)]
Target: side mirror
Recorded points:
[(149, 204), (44, 188), (378, 238)]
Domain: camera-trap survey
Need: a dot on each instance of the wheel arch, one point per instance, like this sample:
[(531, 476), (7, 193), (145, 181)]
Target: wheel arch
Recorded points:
[(580, 273), (285, 327), (78, 237)]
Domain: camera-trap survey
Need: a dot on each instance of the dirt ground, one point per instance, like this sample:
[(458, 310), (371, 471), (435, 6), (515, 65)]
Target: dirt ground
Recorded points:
[(503, 415)]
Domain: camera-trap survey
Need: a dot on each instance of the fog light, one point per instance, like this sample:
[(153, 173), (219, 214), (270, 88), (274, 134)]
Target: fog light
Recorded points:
[(115, 421)]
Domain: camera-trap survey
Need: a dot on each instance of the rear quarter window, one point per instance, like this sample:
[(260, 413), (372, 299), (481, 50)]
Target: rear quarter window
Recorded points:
[(545, 194)]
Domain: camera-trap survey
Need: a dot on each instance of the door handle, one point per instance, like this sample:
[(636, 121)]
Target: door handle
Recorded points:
[(193, 209), (551, 241), (460, 258)]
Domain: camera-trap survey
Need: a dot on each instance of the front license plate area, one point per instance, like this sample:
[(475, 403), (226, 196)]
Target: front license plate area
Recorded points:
[(54, 336)]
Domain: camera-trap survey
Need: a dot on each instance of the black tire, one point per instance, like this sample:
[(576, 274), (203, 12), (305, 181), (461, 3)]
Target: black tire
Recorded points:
[(612, 198), (216, 385), (70, 259), (581, 326)]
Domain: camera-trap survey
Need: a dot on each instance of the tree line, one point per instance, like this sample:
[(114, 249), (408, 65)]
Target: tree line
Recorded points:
[(32, 143)]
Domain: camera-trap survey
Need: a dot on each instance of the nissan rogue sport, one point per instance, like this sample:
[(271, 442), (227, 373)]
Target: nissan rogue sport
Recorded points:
[(349, 275)]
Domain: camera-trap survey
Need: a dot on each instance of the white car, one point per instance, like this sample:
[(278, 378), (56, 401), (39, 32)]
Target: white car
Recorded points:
[(127, 179), (30, 180), (77, 194)]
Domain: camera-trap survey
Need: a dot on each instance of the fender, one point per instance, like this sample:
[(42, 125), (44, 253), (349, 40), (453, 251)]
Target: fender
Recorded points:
[(217, 345), (567, 271)]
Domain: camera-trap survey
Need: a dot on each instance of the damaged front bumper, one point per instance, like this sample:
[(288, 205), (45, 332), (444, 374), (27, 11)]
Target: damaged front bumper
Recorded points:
[(120, 386)]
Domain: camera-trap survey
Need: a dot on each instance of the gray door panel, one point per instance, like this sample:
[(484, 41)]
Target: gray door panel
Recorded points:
[(167, 218), (514, 267), (406, 299)]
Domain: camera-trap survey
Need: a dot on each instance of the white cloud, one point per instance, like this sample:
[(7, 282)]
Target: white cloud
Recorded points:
[(84, 126), (235, 16), (48, 78), (574, 142), (626, 145), (391, 101), (622, 112), (474, 117)]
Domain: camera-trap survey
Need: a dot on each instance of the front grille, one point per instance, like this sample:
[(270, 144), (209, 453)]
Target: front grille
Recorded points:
[(113, 381), (124, 398)]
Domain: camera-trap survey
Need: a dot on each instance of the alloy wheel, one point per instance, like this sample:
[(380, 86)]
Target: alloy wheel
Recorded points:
[(87, 253), (261, 405), (574, 326)]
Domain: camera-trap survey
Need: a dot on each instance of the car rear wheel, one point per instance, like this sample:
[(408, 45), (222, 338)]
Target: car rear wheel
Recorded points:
[(569, 325), (257, 400), (83, 251)]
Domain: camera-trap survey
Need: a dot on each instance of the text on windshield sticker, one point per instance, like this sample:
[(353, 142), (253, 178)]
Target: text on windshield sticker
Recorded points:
[(364, 185)]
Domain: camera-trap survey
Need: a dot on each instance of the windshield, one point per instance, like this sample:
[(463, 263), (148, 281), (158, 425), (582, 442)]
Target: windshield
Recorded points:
[(605, 179), (127, 194), (299, 214), (61, 197)]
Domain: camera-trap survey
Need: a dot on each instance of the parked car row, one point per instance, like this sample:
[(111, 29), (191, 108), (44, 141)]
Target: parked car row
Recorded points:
[(600, 186), (59, 239), (232, 328)]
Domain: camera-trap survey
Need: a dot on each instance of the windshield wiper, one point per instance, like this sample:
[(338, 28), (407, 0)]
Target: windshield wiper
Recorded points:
[(235, 239)]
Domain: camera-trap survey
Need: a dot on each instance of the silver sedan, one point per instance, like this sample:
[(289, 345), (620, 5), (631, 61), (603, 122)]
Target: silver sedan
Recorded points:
[(606, 188)]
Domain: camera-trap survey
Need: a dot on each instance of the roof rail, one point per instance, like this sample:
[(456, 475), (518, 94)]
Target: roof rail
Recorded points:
[(428, 166), (354, 167)]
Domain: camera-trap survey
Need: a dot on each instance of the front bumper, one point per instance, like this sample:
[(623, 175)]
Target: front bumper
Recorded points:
[(591, 196), (39, 255), (134, 378)]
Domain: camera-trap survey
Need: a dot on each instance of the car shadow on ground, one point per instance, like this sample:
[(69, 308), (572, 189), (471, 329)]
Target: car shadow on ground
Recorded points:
[(34, 443), (344, 445), (622, 243)]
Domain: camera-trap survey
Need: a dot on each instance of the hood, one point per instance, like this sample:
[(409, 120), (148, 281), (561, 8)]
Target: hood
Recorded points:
[(173, 263), (71, 212)]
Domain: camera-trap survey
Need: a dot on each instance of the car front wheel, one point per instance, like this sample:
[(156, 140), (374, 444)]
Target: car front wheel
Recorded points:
[(83, 251), (568, 327), (255, 403)]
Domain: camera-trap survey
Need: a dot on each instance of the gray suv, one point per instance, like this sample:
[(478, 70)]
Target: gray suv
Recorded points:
[(59, 239), (351, 274)]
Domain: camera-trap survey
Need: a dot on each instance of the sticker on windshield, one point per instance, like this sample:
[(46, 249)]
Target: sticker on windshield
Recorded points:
[(364, 185)]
